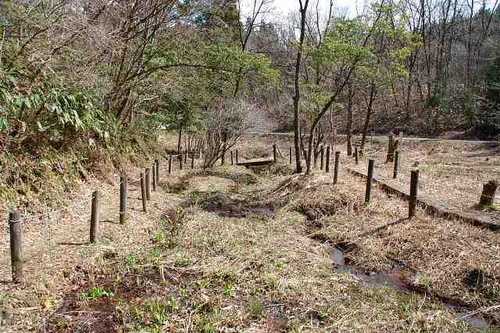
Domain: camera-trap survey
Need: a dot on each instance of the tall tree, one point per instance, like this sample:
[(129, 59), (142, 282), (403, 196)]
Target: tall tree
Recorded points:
[(296, 98)]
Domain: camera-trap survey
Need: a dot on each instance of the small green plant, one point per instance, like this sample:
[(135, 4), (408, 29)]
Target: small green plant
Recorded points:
[(280, 265), (159, 237), (182, 262), (154, 313), (131, 260), (96, 293), (155, 253), (157, 312), (424, 280), (229, 290), (3, 297), (255, 308)]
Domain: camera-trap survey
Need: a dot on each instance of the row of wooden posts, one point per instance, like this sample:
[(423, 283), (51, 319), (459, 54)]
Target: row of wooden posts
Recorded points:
[(370, 174), (149, 181)]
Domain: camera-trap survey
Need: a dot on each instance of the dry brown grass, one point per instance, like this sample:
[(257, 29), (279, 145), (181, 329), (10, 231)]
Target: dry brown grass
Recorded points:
[(443, 252), (450, 173), (53, 245), (254, 275), (182, 268)]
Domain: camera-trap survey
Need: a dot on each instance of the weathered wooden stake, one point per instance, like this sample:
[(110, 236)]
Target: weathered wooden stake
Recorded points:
[(153, 180), (192, 161), (181, 158), (413, 193), (157, 165), (327, 166), (232, 158), (237, 157), (322, 157), (16, 246), (148, 183), (143, 193), (356, 155), (186, 157), (369, 180), (290, 155), (275, 153), (170, 165), (488, 194), (336, 169), (223, 158), (94, 217), (391, 148), (396, 165), (123, 199)]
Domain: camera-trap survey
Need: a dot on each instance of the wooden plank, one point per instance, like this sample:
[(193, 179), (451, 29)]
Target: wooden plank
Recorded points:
[(256, 162), (433, 207)]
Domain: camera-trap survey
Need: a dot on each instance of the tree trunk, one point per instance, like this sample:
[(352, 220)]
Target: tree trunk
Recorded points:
[(333, 132), (366, 125), (349, 119), (179, 141), (296, 98)]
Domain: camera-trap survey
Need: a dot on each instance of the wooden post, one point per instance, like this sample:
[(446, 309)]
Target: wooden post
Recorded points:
[(396, 165), (336, 169), (181, 158), (170, 165), (16, 246), (192, 161), (94, 217), (356, 155), (290, 155), (186, 157), (369, 179), (123, 199), (143, 193), (390, 149), (232, 158), (237, 157), (488, 194), (157, 165), (275, 153), (327, 166), (413, 193), (148, 184), (321, 157), (153, 180)]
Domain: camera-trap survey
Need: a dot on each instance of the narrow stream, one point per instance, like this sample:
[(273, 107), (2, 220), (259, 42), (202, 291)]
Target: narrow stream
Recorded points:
[(399, 279)]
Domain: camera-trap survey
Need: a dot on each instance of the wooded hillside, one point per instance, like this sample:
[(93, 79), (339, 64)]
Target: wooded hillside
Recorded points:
[(89, 76)]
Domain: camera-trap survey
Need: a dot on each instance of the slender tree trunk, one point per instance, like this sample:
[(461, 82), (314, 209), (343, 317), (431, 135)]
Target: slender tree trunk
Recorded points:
[(296, 98), (369, 111), (333, 131), (349, 120), (179, 141)]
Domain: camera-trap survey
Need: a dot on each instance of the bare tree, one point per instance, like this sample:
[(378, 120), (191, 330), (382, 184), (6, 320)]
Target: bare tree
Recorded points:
[(296, 98), (225, 122)]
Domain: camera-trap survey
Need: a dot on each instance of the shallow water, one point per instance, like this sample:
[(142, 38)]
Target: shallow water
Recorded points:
[(399, 279)]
